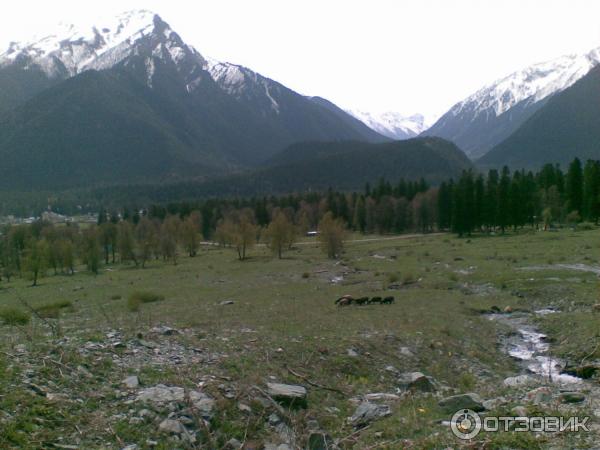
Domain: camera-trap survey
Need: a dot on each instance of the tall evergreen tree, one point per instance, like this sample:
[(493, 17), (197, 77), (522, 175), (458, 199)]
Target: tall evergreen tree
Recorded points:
[(504, 199), (575, 187)]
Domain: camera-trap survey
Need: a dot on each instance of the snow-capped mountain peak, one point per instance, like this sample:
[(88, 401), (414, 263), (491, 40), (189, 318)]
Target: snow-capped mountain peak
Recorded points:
[(74, 49), (533, 83), (392, 124)]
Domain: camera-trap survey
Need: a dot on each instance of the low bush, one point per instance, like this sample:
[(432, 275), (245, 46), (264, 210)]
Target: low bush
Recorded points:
[(14, 316), (52, 310), (137, 298)]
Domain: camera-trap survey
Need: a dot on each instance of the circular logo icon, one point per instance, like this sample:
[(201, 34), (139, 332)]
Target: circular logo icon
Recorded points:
[(465, 424)]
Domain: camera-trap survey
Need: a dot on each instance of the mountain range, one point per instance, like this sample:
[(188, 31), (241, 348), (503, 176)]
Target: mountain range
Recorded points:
[(567, 126), (493, 113), (129, 101), (394, 125)]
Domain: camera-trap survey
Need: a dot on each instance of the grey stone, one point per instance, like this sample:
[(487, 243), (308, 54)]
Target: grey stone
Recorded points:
[(131, 447), (381, 396), (521, 380), (352, 353), (462, 401), (274, 419), (171, 426), (405, 351), (165, 330), (539, 395), (368, 412), (161, 394), (416, 381), (519, 411), (286, 392), (131, 382), (203, 403), (244, 408), (227, 302)]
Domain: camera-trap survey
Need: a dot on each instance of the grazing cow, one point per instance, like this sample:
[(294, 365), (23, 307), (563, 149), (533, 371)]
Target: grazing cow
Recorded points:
[(375, 300), (346, 297), (388, 300), (362, 300)]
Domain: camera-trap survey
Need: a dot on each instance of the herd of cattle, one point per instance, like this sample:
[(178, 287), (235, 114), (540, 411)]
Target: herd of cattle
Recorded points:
[(348, 300)]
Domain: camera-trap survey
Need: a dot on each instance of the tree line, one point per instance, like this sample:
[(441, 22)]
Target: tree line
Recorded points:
[(503, 200), (498, 201)]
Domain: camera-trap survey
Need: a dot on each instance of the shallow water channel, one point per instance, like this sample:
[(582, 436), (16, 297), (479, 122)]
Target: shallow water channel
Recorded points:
[(531, 349)]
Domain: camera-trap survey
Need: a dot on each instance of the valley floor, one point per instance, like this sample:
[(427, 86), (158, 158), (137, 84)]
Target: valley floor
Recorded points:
[(192, 370)]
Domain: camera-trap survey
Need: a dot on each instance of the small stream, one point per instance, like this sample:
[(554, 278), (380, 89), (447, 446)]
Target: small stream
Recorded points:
[(531, 348)]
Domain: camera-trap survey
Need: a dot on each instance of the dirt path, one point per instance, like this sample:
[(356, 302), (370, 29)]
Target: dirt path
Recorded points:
[(353, 241)]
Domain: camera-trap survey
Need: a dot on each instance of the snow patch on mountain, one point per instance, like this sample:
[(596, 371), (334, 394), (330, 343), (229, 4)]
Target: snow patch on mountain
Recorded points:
[(532, 84), (82, 48), (240, 81), (392, 124)]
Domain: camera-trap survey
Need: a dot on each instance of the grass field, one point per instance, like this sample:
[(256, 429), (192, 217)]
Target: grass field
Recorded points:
[(63, 370)]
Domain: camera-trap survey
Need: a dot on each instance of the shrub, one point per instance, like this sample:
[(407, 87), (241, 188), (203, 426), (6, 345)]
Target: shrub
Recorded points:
[(586, 226), (137, 298), (14, 316), (409, 278), (393, 278), (306, 275), (52, 310), (116, 297)]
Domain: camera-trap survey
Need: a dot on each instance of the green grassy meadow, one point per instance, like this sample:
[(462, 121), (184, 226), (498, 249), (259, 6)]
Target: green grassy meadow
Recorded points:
[(283, 323)]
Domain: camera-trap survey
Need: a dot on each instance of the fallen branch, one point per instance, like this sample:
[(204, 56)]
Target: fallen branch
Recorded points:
[(312, 383), (355, 433)]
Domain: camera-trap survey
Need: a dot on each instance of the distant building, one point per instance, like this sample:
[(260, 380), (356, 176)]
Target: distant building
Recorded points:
[(53, 217)]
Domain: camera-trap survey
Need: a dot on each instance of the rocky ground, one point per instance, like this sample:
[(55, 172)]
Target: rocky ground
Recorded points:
[(289, 370)]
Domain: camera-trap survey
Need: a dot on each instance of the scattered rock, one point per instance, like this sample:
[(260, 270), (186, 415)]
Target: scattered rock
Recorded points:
[(508, 310), (203, 403), (405, 351), (381, 396), (462, 401), (520, 380), (164, 330), (274, 419), (233, 444), (161, 394), (287, 392), (572, 397), (171, 426), (353, 353), (244, 408), (131, 382), (539, 395), (227, 302), (131, 447), (519, 411), (416, 381), (494, 403), (368, 412)]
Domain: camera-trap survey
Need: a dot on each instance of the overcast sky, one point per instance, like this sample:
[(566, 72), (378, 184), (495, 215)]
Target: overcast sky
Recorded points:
[(400, 55)]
